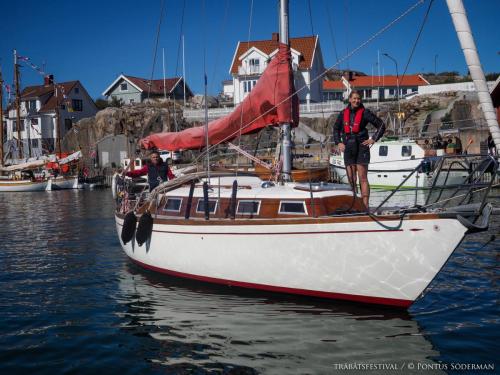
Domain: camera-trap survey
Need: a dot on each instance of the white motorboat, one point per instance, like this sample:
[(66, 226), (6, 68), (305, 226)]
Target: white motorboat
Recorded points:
[(391, 164)]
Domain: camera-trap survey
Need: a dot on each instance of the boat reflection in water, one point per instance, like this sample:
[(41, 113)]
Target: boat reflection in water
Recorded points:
[(205, 327)]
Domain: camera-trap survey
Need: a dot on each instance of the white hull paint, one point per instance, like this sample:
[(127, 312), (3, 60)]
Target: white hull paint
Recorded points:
[(61, 182), (356, 261), (22, 185), (388, 178)]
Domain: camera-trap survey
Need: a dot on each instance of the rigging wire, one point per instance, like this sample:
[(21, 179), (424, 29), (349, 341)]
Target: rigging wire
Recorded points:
[(156, 47), (321, 75), (417, 38), (219, 46), (330, 28), (181, 31), (310, 16)]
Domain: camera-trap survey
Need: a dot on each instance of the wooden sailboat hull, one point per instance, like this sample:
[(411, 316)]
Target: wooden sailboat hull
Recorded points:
[(358, 261)]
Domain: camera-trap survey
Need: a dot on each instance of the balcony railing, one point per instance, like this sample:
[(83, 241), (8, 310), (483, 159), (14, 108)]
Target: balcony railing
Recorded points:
[(311, 109)]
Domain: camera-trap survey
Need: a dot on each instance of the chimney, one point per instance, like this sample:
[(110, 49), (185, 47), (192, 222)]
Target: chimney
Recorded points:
[(276, 37), (48, 80)]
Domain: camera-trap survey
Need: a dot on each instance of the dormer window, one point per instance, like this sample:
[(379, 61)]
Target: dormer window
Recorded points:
[(254, 62), (123, 86)]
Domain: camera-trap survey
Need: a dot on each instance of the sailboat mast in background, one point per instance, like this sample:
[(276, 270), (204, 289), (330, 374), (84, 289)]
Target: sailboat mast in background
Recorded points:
[(18, 107), (1, 118)]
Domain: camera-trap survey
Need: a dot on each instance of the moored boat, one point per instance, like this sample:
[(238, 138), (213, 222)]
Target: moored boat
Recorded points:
[(314, 239)]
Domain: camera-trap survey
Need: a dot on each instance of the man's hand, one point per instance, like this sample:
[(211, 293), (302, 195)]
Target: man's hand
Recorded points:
[(341, 147), (368, 142)]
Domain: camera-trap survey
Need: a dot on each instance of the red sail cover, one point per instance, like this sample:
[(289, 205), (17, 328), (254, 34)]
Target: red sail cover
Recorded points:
[(272, 101)]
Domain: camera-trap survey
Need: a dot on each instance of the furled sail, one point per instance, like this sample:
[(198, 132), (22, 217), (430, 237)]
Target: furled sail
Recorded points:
[(272, 101)]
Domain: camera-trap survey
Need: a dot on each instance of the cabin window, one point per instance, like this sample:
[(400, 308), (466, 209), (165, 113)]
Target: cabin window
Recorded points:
[(294, 208), (123, 87), (77, 105), (212, 205), (406, 151), (248, 207), (173, 205), (383, 151)]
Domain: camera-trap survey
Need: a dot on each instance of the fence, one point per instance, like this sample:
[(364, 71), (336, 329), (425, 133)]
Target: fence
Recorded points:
[(315, 109)]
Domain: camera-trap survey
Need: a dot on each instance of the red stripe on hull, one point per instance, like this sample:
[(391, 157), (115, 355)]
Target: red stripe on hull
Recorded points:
[(279, 289)]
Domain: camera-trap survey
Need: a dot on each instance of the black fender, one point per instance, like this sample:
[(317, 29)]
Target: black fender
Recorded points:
[(144, 229), (128, 229)]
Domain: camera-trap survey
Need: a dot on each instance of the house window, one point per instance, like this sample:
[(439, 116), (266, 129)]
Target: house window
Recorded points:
[(383, 151), (291, 207), (212, 205), (77, 90), (248, 85), (32, 105), (406, 151), (173, 205), (414, 89), (254, 62), (68, 123), (368, 93), (77, 105), (123, 87), (404, 91), (391, 92), (34, 143), (248, 207), (34, 121)]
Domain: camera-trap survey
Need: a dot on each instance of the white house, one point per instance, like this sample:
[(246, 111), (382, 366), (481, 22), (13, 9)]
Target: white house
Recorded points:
[(38, 115), (374, 87), (251, 58), (130, 89)]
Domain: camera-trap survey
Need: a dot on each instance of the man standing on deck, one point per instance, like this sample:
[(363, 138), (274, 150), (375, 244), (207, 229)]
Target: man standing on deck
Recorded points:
[(156, 169), (351, 136)]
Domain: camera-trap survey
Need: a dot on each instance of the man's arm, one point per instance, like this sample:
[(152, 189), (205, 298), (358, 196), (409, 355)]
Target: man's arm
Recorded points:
[(170, 174), (138, 172)]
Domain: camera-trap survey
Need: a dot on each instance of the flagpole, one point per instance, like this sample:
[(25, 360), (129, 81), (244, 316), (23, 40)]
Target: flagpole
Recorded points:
[(18, 107)]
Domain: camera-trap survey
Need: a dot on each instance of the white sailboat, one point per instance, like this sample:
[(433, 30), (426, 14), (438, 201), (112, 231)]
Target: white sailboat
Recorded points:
[(306, 239)]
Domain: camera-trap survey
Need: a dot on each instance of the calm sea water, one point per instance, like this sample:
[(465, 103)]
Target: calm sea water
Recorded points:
[(71, 302)]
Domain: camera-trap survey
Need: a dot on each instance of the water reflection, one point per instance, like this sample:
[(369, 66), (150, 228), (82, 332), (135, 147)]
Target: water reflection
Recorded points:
[(206, 325)]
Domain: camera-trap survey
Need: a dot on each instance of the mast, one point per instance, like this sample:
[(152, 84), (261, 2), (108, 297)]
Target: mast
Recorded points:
[(464, 33), (1, 118), (18, 107), (164, 87), (286, 153), (58, 133), (183, 71)]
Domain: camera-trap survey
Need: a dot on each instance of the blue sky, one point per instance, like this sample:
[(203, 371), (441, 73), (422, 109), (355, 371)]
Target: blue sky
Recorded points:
[(95, 41)]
